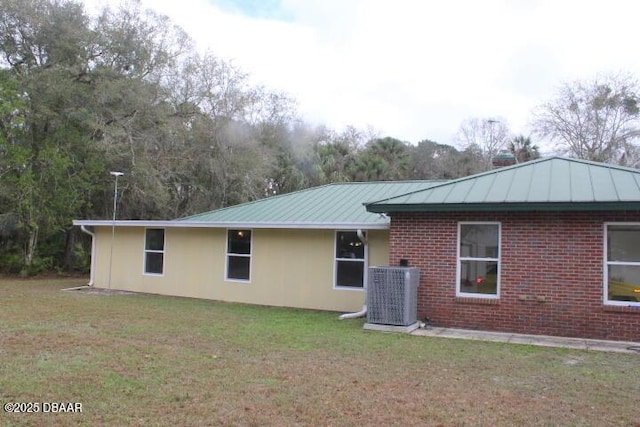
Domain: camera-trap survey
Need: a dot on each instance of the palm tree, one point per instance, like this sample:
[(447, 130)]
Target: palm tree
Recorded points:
[(523, 149)]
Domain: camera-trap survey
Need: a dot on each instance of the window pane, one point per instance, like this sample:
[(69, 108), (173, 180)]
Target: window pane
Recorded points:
[(623, 243), (624, 283), (154, 239), (238, 267), (479, 240), (479, 277), (153, 262), (239, 242), (350, 274), (349, 246)]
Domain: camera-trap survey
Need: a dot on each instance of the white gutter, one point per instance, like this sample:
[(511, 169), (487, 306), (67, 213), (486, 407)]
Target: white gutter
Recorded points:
[(93, 254), (237, 224), (363, 311)]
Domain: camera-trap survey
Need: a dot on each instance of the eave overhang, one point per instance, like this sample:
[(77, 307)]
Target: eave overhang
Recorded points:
[(505, 207), (235, 224)]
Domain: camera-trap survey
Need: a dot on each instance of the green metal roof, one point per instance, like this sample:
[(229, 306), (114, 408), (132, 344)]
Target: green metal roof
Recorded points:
[(329, 206), (553, 183)]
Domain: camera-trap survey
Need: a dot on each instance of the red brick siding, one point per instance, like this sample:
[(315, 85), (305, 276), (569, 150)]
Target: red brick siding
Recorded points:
[(554, 256)]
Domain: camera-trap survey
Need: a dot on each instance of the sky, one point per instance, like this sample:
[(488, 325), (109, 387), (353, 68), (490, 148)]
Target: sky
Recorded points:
[(415, 69)]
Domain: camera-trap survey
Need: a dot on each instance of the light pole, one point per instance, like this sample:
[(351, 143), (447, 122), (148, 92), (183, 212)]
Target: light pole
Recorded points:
[(491, 145), (491, 122), (113, 222)]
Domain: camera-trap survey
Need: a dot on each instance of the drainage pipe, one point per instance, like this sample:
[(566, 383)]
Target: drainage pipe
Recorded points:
[(77, 288), (361, 236), (363, 311), (93, 254), (355, 315)]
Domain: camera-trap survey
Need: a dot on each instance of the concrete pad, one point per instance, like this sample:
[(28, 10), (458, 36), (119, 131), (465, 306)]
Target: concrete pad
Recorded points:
[(429, 331), (521, 339), (550, 341), (615, 346), (537, 340), (391, 328)]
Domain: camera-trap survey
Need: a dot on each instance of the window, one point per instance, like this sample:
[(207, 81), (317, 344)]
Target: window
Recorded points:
[(154, 251), (622, 270), (239, 255), (350, 260), (478, 259)]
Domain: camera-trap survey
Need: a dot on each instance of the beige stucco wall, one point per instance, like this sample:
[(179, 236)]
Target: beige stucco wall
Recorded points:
[(292, 268)]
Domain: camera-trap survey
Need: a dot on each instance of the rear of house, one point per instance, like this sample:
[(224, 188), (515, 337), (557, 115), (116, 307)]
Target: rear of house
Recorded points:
[(280, 267), (546, 247), (308, 249)]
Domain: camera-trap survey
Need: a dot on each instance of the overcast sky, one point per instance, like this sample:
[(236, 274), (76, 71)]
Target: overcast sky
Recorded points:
[(415, 69)]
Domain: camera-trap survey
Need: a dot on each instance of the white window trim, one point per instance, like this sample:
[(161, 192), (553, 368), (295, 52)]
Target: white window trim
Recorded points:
[(606, 263), (227, 254), (336, 259), (459, 292), (145, 251)]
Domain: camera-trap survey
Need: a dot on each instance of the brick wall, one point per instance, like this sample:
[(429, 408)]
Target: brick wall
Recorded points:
[(554, 260)]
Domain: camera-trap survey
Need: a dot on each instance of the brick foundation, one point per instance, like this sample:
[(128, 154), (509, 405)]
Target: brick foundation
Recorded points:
[(551, 273)]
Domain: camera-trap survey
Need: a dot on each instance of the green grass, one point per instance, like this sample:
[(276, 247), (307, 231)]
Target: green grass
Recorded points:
[(152, 360)]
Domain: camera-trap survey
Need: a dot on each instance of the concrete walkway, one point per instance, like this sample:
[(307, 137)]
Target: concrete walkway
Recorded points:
[(540, 340)]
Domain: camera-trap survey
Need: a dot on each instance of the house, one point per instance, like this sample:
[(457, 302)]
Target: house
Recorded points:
[(308, 249), (548, 247)]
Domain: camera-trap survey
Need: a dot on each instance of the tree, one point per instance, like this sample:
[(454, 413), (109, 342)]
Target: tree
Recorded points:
[(383, 159), (81, 96), (334, 154), (47, 171), (90, 102), (487, 135), (595, 120), (523, 149), (430, 160)]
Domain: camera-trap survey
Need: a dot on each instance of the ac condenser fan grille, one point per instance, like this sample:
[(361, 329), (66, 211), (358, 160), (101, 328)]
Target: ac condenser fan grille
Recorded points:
[(392, 295)]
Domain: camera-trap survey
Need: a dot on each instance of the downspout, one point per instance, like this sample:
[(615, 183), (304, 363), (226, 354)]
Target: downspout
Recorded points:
[(363, 311), (93, 254)]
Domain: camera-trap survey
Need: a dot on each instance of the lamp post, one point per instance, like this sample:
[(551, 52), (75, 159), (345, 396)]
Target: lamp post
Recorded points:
[(491, 122), (491, 144), (113, 222)]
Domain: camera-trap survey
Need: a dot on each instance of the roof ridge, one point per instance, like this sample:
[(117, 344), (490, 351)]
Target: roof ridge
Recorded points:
[(550, 186), (637, 180), (278, 196), (594, 163), (253, 202), (399, 181), (486, 196), (468, 177), (613, 183), (516, 166)]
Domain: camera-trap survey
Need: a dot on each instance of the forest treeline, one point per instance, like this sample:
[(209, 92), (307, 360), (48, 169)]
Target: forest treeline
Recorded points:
[(125, 90)]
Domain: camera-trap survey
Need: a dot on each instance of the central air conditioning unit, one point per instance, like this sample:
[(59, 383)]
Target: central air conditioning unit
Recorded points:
[(392, 295)]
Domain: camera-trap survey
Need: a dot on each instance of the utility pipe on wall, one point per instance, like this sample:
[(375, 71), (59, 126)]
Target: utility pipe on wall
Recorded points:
[(363, 311), (355, 315), (93, 254)]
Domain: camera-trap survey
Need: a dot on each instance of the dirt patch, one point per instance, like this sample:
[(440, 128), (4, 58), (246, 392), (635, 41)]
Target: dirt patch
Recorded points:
[(99, 291)]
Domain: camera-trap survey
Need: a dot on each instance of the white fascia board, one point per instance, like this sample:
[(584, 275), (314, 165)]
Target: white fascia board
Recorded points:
[(235, 224)]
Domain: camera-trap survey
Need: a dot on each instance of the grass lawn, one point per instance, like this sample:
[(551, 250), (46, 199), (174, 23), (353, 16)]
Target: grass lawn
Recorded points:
[(152, 360)]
